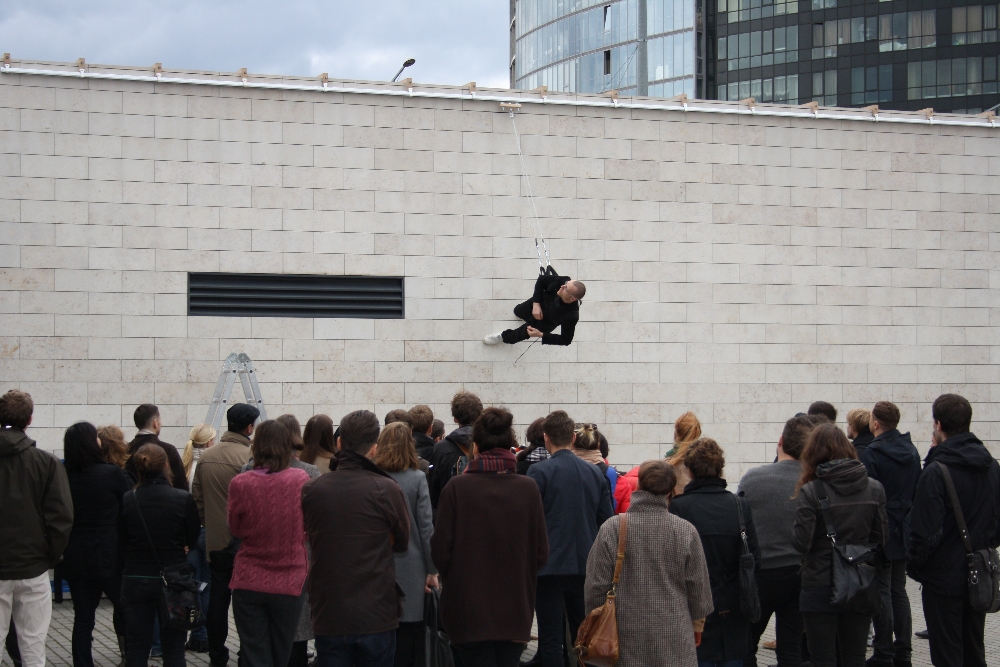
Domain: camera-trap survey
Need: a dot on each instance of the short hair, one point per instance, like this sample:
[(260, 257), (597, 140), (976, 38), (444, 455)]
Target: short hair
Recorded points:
[(113, 445), (144, 415), (796, 433), (16, 408), (858, 419), (396, 451), (705, 458), (318, 438), (493, 429), (359, 431), (534, 434), (272, 446), (437, 430), (587, 437), (559, 426), (290, 422), (80, 448), (605, 449), (399, 416), (657, 477), (149, 462), (466, 407), (887, 414), (953, 412), (577, 289), (423, 418), (826, 443), (825, 409)]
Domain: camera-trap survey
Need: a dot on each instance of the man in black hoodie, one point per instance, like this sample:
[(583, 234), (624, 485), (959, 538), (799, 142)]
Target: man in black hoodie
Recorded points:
[(936, 551), (423, 424), (892, 459), (555, 303), (451, 455)]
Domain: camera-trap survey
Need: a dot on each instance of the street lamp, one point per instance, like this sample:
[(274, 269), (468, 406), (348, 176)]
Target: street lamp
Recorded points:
[(405, 65)]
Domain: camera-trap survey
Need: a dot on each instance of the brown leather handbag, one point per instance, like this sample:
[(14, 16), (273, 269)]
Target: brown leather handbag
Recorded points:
[(597, 639)]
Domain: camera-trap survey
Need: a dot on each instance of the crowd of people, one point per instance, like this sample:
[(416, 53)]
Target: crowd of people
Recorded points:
[(336, 532)]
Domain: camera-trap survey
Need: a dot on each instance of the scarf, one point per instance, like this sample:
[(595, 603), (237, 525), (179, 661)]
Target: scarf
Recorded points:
[(589, 455), (497, 460)]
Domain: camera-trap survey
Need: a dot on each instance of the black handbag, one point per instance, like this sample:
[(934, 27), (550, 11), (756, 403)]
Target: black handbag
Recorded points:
[(983, 565), (853, 568), (437, 646), (180, 604), (749, 596)]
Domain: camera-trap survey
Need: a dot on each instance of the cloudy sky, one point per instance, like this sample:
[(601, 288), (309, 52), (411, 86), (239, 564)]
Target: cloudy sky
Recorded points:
[(453, 41)]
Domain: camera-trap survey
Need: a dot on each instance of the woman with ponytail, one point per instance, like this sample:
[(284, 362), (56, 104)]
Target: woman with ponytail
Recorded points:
[(201, 438)]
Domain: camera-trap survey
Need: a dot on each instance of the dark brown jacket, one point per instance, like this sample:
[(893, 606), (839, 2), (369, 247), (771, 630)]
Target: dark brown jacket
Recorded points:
[(489, 543), (178, 477), (355, 517)]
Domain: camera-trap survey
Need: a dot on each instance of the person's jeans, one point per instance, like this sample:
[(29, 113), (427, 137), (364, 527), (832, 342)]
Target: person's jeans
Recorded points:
[(202, 572), (956, 631), (557, 597), (523, 311), (217, 617), (28, 602), (828, 633), (895, 616), (266, 623), (778, 589), (490, 654), (410, 643), (141, 603), (373, 650), (86, 595)]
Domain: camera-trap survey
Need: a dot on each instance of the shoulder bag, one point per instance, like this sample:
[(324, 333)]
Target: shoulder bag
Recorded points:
[(597, 639), (180, 606), (983, 565), (437, 646), (749, 596), (853, 568)]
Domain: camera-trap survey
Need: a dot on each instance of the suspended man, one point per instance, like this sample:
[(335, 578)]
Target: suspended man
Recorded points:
[(555, 303)]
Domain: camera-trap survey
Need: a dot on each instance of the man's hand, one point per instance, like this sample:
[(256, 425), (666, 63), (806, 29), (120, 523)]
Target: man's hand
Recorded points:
[(432, 582), (536, 311), (535, 333)]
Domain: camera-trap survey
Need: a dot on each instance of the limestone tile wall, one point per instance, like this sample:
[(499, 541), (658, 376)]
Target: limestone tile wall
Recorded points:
[(738, 267)]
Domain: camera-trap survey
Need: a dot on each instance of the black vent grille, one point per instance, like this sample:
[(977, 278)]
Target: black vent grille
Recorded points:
[(283, 295)]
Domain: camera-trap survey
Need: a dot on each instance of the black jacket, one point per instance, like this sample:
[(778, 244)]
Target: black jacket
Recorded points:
[(36, 509), (864, 439), (936, 552), (179, 479), (857, 505), (424, 444), (712, 509), (172, 519), (444, 459), (892, 459), (555, 311), (92, 552)]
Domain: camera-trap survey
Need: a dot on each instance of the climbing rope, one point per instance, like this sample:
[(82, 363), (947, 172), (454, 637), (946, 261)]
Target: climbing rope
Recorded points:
[(541, 247)]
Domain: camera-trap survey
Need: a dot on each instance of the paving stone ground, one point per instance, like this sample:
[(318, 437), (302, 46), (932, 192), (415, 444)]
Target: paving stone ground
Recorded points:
[(106, 646)]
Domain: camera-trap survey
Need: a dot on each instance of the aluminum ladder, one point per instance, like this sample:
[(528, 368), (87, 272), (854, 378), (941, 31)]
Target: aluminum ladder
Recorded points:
[(235, 365)]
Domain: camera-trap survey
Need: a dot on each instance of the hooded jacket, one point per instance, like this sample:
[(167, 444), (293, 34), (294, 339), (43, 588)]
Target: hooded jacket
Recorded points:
[(892, 459), (444, 459), (864, 439), (424, 445), (935, 550), (857, 505), (36, 508)]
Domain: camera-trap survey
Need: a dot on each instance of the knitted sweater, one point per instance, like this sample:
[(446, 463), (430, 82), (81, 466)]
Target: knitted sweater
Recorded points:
[(265, 512)]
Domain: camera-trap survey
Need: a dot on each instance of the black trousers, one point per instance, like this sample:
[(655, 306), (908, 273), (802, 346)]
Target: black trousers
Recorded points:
[(141, 604), (895, 618), (778, 589), (490, 654), (410, 645), (828, 633), (956, 631), (11, 644), (266, 623), (523, 312), (557, 598), (86, 595), (217, 617)]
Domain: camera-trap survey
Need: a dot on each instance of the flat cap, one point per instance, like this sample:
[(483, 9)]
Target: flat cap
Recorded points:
[(242, 415)]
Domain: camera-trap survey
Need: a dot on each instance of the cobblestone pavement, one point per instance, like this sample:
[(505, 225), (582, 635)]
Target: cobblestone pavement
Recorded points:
[(106, 646)]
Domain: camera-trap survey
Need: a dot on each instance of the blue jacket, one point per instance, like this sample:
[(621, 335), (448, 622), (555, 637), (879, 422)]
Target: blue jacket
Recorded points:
[(577, 501), (892, 459)]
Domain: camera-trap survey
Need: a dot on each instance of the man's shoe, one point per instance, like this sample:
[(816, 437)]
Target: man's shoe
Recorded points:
[(923, 634), (493, 338), (197, 646)]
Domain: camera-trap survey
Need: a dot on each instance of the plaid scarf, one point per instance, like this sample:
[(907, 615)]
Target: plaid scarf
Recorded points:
[(497, 460)]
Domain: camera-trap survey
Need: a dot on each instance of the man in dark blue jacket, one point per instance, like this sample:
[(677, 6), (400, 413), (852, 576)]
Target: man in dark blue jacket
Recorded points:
[(892, 459), (555, 303), (936, 551), (577, 501)]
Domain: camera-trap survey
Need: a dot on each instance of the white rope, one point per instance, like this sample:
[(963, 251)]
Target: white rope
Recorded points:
[(544, 264)]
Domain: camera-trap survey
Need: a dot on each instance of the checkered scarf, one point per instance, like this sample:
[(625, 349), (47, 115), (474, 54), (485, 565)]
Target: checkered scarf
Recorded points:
[(497, 460)]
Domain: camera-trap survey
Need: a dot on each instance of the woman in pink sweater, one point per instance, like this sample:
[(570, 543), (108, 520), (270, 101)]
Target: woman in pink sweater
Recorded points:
[(265, 512)]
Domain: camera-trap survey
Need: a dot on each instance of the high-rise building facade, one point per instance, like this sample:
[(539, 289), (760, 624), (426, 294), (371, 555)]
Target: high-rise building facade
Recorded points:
[(899, 54)]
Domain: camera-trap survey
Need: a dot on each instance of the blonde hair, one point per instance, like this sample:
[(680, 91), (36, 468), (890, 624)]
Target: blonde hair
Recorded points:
[(200, 436), (113, 445), (587, 437), (858, 419), (687, 430), (396, 451)]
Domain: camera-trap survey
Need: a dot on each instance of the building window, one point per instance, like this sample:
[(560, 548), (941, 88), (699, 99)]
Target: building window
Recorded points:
[(745, 10), (607, 63), (907, 30), (827, 36), (607, 18), (825, 88), (668, 15), (973, 25), (759, 49), (871, 84), (951, 78), (782, 89), (671, 56), (823, 4)]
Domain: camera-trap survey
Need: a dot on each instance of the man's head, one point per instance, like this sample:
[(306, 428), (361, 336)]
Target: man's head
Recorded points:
[(16, 408), (402, 416), (359, 433), (559, 430), (241, 418), (437, 430), (572, 290), (952, 415), (857, 421), (466, 408), (825, 409), (884, 417), (796, 432), (423, 419), (147, 418)]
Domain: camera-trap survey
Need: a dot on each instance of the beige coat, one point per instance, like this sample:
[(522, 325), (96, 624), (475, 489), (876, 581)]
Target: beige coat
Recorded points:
[(217, 467)]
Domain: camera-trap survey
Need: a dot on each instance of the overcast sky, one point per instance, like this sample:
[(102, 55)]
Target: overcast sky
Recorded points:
[(453, 41)]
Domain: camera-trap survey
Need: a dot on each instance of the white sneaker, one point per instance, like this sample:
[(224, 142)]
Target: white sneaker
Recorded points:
[(493, 338)]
